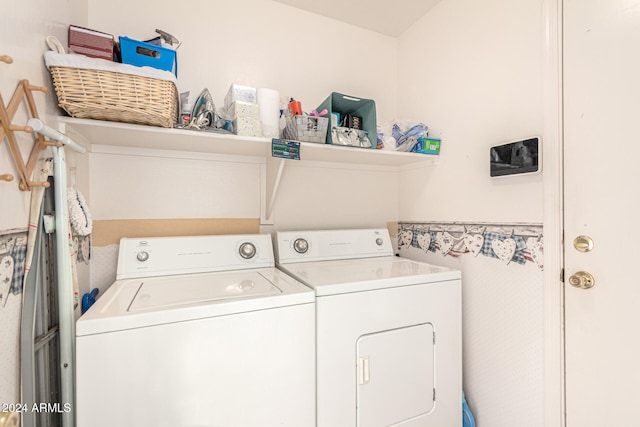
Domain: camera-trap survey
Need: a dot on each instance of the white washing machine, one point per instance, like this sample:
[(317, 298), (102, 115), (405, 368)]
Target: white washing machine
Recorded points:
[(388, 330), (198, 331)]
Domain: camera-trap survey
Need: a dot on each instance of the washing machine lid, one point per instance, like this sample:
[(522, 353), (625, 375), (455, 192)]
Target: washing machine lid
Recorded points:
[(165, 292), (143, 302), (356, 275)]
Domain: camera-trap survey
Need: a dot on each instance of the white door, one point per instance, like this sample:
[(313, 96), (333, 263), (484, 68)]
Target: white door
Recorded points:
[(602, 200)]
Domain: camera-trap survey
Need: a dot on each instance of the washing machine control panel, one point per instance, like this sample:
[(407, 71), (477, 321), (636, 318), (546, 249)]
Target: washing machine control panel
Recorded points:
[(161, 256), (302, 246)]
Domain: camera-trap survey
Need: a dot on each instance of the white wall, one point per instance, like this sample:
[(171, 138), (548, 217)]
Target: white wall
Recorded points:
[(503, 339), (317, 196), (473, 74), (472, 71), (165, 184), (262, 43), (22, 31)]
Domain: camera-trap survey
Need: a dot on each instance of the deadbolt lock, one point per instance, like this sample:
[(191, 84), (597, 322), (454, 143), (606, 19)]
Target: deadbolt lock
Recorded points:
[(582, 280), (583, 243)]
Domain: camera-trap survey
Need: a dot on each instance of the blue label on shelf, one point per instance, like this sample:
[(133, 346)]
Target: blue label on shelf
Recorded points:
[(285, 149)]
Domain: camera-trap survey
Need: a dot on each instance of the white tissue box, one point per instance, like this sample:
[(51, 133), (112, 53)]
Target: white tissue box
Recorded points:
[(243, 109), (247, 126), (240, 93)]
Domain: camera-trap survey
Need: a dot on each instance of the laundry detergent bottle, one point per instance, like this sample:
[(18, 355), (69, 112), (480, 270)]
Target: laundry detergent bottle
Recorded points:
[(467, 416)]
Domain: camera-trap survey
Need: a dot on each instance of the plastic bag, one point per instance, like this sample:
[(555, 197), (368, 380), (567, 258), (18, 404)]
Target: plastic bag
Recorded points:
[(400, 135), (350, 136)]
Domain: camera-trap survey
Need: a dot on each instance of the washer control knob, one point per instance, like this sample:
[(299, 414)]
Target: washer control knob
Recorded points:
[(142, 256), (247, 250), (379, 241), (301, 246)]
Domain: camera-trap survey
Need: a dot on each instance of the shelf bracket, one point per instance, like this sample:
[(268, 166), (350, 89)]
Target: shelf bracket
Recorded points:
[(272, 180)]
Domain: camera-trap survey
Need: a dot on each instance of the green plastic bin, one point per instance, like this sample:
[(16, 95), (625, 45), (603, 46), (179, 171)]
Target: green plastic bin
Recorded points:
[(346, 104)]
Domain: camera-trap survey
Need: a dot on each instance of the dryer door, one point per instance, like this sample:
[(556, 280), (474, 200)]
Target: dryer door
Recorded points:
[(395, 376)]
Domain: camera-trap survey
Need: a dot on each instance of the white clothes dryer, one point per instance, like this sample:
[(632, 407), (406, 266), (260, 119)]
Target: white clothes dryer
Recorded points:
[(197, 331), (388, 330)]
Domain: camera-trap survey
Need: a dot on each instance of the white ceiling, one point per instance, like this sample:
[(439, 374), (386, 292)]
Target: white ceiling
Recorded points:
[(391, 18)]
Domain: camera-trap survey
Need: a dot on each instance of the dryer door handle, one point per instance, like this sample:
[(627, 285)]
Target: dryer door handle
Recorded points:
[(363, 370)]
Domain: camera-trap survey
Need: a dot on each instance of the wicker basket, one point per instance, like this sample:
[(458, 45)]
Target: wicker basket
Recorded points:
[(119, 97)]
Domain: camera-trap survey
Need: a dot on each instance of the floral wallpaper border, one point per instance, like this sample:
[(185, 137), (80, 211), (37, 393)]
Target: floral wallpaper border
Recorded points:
[(510, 243)]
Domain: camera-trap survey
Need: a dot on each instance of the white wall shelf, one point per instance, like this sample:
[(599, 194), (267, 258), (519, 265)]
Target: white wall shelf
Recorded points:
[(128, 135), (105, 133)]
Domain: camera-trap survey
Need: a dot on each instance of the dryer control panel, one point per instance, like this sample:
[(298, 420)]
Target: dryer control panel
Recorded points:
[(324, 245)]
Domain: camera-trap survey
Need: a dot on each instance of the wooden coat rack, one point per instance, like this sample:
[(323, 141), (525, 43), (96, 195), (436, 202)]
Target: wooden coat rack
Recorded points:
[(24, 91)]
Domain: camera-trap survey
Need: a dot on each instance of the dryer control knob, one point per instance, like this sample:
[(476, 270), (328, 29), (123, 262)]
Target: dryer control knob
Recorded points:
[(301, 246), (247, 250), (379, 241), (142, 256)]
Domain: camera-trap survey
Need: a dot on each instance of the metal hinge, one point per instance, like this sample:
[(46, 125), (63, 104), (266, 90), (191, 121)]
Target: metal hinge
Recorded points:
[(434, 394), (434, 337), (562, 275)]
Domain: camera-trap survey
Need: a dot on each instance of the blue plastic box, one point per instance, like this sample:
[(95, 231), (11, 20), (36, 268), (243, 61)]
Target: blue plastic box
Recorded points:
[(143, 54), (345, 104)]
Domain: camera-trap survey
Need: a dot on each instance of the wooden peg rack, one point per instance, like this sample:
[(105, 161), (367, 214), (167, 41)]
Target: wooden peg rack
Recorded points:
[(24, 91)]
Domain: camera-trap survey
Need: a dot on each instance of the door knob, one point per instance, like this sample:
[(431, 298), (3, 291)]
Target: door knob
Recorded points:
[(582, 280)]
